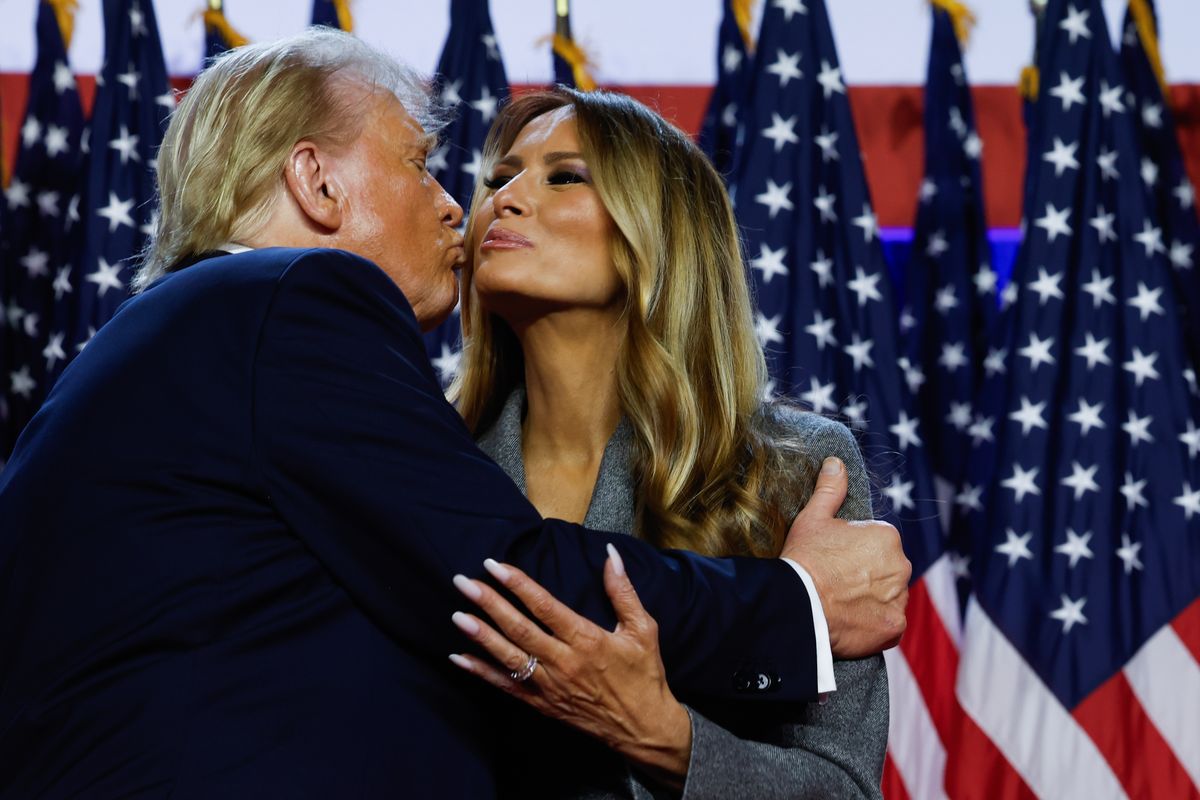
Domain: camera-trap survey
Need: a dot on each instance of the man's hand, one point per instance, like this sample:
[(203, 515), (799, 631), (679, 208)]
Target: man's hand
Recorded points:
[(858, 568)]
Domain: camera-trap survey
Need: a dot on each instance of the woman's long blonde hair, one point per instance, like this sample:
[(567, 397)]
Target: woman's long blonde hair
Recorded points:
[(714, 474)]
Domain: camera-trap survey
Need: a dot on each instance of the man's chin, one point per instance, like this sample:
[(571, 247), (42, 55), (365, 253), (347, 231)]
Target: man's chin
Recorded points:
[(429, 321)]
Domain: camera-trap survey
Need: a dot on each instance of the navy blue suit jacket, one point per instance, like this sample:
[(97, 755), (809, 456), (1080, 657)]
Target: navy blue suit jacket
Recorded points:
[(226, 545)]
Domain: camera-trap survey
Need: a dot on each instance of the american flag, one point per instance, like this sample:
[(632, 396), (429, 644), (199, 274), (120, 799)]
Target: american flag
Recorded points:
[(825, 314), (219, 35), (1079, 668), (570, 62), (1173, 198), (470, 80), (332, 14), (38, 218), (719, 130), (133, 101)]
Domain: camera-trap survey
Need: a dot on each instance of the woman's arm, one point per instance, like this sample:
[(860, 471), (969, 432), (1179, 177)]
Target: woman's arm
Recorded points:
[(835, 749)]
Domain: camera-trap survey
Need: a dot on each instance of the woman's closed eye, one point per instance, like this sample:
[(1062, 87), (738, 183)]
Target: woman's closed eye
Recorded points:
[(565, 177), (497, 181)]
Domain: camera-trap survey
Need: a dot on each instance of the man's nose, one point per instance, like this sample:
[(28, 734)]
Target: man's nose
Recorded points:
[(452, 213)]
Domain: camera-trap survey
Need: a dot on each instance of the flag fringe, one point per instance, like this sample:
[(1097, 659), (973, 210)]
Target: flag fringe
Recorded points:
[(64, 12), (1029, 83), (570, 52), (345, 20), (1143, 20), (741, 14), (961, 16), (215, 21)]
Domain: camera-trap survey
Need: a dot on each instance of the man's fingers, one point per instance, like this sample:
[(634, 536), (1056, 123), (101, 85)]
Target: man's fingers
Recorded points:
[(828, 494), (620, 591)]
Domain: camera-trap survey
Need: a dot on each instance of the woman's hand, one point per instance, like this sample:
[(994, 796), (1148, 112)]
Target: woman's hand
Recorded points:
[(610, 685)]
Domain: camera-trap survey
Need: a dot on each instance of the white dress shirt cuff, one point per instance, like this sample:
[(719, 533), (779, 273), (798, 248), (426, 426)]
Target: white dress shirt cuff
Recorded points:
[(825, 680)]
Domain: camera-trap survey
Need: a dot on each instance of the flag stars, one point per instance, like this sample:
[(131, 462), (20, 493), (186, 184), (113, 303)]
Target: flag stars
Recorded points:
[(1069, 90), (1152, 115), (970, 498), (959, 416), (781, 131), (822, 267), (1107, 160), (1149, 173), (767, 329), (56, 141), (117, 212), (1138, 428), (945, 300), (53, 351), (1146, 301), (900, 493), (825, 203), (1054, 223), (859, 351), (1103, 223), (126, 146), (1141, 366), (62, 282), (985, 280), (1088, 417), (1151, 239), (1037, 351), (137, 21), (64, 80), (1132, 491), (856, 412), (822, 330), (1100, 289), (731, 59), (1110, 99), (790, 8), (1015, 546), (1191, 438), (473, 166), (770, 262), (1046, 286), (786, 66), (913, 376), (1128, 553), (1181, 255), (1075, 547), (1185, 193), (1022, 482), (47, 203), (486, 105), (905, 431), (488, 40), (1070, 613), (1082, 480), (776, 198), (21, 382), (36, 262), (937, 244), (820, 396), (450, 95), (928, 191), (1076, 24), (827, 141), (973, 146), (952, 356), (865, 287), (166, 100), (1062, 156), (868, 222), (1030, 416), (1189, 501), (31, 132), (993, 362), (447, 363), (130, 80), (830, 78), (106, 276)]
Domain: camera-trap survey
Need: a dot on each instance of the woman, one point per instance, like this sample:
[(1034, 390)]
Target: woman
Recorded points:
[(611, 368)]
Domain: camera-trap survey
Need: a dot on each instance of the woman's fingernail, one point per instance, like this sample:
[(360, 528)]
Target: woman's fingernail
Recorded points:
[(497, 570), (467, 587), (618, 564), (460, 661), (465, 624), (831, 466)]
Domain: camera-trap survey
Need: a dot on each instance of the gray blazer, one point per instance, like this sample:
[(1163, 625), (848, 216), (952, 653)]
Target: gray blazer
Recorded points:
[(834, 749)]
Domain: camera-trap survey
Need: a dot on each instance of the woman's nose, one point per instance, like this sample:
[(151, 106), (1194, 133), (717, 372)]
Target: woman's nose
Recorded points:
[(511, 198)]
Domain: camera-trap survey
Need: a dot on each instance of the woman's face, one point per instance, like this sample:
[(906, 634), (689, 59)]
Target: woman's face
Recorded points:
[(541, 237)]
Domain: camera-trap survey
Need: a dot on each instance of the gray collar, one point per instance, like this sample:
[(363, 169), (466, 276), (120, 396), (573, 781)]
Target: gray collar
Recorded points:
[(612, 504)]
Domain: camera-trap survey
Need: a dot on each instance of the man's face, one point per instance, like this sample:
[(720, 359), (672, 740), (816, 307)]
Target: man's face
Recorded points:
[(397, 214)]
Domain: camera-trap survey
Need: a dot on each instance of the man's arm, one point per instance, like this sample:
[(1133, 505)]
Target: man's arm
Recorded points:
[(377, 474)]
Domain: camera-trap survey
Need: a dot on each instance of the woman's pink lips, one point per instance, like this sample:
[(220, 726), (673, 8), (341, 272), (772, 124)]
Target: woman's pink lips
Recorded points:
[(503, 239)]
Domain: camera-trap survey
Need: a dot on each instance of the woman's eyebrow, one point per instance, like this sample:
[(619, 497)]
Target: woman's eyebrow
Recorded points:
[(560, 155)]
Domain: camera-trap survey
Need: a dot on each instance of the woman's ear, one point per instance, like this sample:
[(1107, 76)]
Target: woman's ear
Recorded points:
[(311, 180)]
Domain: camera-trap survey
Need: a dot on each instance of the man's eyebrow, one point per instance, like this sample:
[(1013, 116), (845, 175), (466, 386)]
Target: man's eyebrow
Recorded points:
[(550, 158)]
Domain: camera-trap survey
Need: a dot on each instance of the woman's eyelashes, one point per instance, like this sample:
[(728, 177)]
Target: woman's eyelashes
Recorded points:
[(562, 177)]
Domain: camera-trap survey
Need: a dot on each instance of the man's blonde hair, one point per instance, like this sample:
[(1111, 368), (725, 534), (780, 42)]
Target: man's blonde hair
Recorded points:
[(716, 471), (224, 152)]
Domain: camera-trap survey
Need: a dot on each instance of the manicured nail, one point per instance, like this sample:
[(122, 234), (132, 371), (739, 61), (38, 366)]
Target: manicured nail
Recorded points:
[(465, 624), (618, 564), (831, 466), (467, 587), (498, 571), (459, 661)]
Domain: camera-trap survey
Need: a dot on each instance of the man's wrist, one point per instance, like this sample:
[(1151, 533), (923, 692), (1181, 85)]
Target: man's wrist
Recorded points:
[(821, 633)]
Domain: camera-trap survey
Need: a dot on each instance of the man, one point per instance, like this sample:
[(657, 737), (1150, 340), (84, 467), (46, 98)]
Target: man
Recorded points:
[(229, 536)]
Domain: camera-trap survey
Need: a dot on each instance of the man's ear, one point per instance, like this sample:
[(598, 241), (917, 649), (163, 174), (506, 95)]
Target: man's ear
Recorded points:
[(311, 181)]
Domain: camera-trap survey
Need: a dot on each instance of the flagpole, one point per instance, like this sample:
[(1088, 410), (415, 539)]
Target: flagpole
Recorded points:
[(562, 18)]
